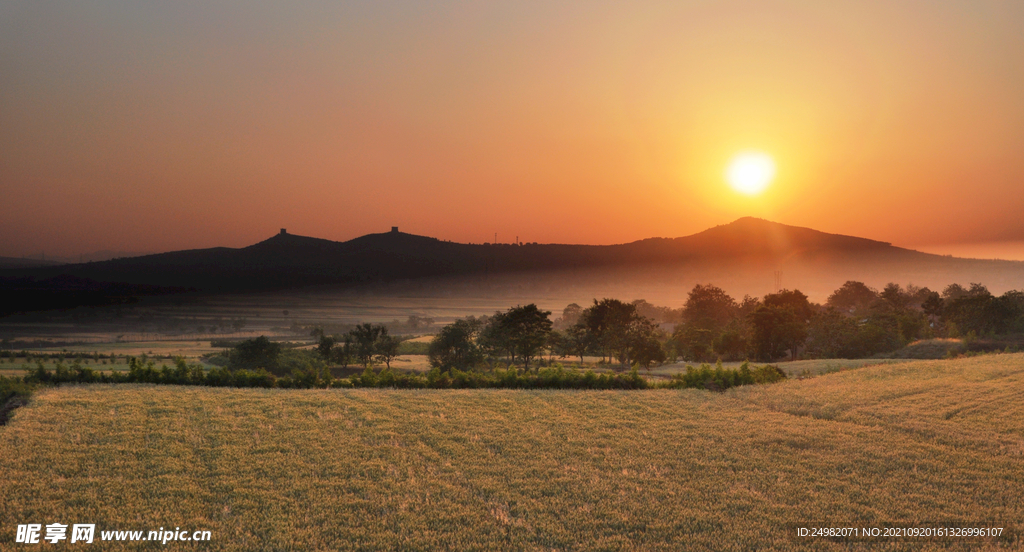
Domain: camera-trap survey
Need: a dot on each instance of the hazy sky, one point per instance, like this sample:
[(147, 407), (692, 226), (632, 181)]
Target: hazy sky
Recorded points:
[(151, 126)]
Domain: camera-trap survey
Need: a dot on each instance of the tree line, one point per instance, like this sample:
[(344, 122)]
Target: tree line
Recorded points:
[(856, 321), (610, 328), (364, 344)]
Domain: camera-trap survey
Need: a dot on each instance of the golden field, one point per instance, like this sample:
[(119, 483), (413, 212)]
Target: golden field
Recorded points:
[(897, 444)]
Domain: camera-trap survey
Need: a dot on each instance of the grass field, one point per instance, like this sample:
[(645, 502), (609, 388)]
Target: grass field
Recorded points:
[(929, 441)]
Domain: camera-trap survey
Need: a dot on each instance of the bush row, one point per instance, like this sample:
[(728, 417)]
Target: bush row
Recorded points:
[(146, 372), (501, 378), (719, 378), (557, 377)]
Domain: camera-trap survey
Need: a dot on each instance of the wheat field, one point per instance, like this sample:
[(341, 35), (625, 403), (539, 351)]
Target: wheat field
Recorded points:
[(899, 444)]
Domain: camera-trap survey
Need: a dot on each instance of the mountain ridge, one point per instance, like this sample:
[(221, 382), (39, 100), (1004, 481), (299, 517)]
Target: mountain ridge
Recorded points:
[(286, 261)]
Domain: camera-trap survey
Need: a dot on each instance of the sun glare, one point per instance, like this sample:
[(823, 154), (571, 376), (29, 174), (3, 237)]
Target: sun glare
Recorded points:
[(750, 173)]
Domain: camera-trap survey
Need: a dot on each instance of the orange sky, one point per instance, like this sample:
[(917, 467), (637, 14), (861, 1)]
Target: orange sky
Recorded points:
[(178, 125)]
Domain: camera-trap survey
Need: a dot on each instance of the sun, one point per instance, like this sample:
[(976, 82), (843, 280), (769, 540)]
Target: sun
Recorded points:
[(750, 172)]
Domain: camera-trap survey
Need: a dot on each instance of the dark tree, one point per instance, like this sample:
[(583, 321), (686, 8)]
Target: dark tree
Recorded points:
[(794, 300), (647, 350), (607, 322), (932, 304), (617, 330), (693, 342), (1010, 306), (894, 299), (555, 344), (570, 315), (775, 330), (971, 310), (832, 335), (494, 339), (953, 291), (364, 337), (852, 298), (747, 305), (709, 308), (522, 331), (733, 342), (642, 343), (455, 346), (253, 354), (976, 309), (342, 354), (780, 323), (654, 312), (577, 341), (386, 347), (324, 347)]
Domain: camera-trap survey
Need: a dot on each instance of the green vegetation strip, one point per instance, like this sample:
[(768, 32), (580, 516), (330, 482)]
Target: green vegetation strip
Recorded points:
[(706, 377), (14, 393), (374, 469)]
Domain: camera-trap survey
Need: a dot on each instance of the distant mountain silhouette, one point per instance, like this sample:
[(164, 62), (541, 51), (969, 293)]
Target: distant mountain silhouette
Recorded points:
[(18, 262), (289, 261)]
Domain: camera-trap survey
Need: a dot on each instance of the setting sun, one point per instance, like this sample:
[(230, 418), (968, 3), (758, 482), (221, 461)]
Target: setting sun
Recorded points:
[(750, 173)]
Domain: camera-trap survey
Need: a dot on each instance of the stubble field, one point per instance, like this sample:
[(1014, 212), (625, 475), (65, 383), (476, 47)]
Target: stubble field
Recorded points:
[(900, 444)]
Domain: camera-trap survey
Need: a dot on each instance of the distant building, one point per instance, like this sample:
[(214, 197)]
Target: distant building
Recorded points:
[(283, 231), (394, 229)]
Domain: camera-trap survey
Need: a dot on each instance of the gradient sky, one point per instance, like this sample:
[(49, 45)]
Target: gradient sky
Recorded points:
[(154, 126)]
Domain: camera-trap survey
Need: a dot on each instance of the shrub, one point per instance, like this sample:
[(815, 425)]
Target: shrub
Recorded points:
[(254, 378), (14, 392), (720, 379), (254, 354), (13, 387)]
